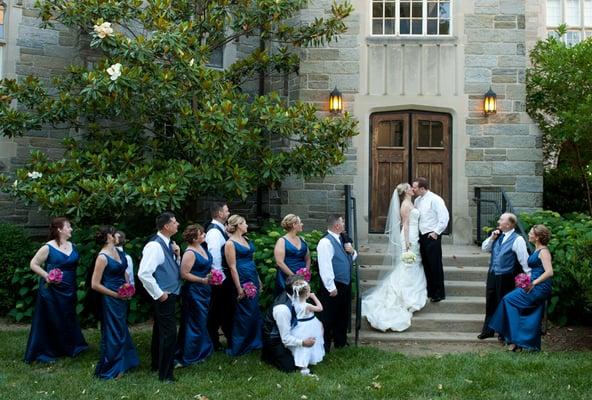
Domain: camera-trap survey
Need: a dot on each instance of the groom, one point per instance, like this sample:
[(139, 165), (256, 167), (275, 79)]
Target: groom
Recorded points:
[(433, 220)]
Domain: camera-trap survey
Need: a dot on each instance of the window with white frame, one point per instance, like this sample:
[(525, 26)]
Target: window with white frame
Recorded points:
[(575, 14), (412, 17)]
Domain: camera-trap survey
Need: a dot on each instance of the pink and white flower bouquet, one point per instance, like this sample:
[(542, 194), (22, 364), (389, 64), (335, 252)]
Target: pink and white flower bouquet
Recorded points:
[(250, 289)]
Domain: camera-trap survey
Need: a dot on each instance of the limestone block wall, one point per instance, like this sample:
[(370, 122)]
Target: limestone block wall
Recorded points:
[(504, 149)]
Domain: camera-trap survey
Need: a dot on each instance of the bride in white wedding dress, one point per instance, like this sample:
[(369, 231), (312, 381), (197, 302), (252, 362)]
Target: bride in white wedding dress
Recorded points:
[(390, 305)]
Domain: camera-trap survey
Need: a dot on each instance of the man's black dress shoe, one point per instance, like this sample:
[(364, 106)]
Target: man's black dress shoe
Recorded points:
[(437, 299), (485, 335)]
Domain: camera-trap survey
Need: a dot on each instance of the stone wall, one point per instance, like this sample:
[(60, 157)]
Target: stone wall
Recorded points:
[(505, 149)]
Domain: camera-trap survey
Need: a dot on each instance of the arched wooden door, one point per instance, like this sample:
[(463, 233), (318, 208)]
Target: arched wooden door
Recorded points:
[(404, 145)]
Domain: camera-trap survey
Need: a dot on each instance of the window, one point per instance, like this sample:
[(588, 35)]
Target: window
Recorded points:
[(411, 17), (431, 134), (2, 36), (575, 14), (390, 134)]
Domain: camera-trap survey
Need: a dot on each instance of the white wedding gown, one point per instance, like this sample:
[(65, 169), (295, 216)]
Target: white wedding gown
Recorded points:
[(402, 291)]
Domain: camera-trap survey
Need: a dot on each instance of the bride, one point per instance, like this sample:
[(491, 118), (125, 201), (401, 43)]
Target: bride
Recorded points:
[(390, 305)]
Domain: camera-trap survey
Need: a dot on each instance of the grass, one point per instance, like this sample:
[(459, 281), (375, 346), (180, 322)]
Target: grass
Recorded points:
[(353, 373)]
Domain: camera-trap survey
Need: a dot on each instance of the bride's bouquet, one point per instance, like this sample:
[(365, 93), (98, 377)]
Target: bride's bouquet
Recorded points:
[(409, 257)]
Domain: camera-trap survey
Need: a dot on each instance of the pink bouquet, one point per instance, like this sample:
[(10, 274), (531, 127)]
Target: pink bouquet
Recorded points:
[(126, 291), (250, 289), (55, 275), (522, 281), (305, 273), (216, 277)]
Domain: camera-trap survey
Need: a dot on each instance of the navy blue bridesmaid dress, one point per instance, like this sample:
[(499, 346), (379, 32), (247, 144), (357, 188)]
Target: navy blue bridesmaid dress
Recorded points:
[(194, 343), (247, 323), (118, 353), (55, 331), (295, 259), (518, 317)]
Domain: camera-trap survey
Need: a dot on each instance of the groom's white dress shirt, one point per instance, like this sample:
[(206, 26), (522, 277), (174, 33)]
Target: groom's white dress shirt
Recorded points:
[(325, 253), (215, 241), (283, 319), (433, 214), (518, 247), (152, 257)]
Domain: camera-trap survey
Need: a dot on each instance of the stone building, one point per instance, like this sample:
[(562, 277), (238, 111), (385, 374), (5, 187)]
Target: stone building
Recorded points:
[(413, 72)]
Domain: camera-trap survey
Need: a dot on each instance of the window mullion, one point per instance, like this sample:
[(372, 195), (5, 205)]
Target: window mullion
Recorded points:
[(424, 18), (397, 17)]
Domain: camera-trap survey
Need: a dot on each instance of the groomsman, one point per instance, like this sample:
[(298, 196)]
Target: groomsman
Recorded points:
[(335, 264), (120, 242), (508, 250), (433, 220), (159, 273), (223, 297)]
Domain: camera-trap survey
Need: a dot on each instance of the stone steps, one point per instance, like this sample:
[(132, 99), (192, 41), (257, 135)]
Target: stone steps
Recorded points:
[(457, 319)]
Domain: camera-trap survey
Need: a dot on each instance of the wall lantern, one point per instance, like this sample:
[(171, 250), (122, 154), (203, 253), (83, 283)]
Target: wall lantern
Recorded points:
[(335, 101), (490, 102)]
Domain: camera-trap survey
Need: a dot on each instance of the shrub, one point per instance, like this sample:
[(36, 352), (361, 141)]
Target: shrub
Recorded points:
[(16, 249), (564, 192), (571, 247)]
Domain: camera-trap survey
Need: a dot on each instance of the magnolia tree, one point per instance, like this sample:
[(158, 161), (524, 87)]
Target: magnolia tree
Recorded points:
[(151, 127), (558, 98)]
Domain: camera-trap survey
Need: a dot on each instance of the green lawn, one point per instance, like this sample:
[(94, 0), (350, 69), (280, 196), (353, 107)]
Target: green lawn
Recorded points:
[(353, 373)]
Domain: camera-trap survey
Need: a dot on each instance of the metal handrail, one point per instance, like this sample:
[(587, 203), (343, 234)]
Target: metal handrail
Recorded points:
[(351, 226)]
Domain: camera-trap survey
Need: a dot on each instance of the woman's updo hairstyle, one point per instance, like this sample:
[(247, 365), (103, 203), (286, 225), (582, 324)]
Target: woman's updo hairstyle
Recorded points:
[(401, 189), (102, 232), (54, 228), (192, 232), (542, 233), (289, 221), (233, 222)]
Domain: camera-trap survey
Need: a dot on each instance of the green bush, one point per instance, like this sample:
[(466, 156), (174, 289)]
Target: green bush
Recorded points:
[(571, 247), (264, 241), (564, 191), (16, 249)]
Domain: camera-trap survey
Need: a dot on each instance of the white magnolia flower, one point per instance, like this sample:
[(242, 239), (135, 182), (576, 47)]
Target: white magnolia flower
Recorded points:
[(114, 71), (15, 183), (191, 62), (34, 175), (103, 30)]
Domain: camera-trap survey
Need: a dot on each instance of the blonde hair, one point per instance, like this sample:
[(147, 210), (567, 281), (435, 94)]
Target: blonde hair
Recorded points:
[(289, 221), (542, 233), (402, 189), (233, 222)]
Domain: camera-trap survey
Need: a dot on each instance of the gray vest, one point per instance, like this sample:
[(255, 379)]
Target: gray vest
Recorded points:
[(503, 259), (167, 274), (342, 261)]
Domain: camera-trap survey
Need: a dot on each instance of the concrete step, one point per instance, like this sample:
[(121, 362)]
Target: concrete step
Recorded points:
[(456, 273), (460, 256), (378, 238), (422, 337), (441, 322), (453, 288), (452, 305)]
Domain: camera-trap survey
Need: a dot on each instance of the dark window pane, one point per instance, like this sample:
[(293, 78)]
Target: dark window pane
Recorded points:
[(445, 10), (389, 27), (437, 139), (377, 27), (404, 27), (432, 26), (424, 134), (405, 10), (444, 27), (389, 10), (432, 9), (417, 28), (377, 10), (390, 134), (416, 10)]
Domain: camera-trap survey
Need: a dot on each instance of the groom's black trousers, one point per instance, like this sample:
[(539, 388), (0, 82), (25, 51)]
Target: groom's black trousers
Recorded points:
[(431, 257), (335, 315)]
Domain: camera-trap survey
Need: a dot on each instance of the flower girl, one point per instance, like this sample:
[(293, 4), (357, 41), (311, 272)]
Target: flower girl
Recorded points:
[(308, 326)]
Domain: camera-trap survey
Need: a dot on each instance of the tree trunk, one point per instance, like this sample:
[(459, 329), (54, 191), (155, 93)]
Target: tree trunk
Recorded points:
[(584, 176)]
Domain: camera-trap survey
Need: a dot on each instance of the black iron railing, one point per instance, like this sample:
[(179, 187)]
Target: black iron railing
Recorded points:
[(351, 227), (491, 203)]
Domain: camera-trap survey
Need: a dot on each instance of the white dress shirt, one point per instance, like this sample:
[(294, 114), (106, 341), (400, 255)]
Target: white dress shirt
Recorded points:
[(283, 318), (130, 266), (433, 214), (325, 253), (152, 257), (215, 241), (518, 247)]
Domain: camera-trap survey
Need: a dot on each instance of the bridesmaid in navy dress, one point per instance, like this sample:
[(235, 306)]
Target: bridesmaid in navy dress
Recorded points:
[(291, 252), (194, 343), (518, 317), (247, 324), (118, 353), (55, 331)]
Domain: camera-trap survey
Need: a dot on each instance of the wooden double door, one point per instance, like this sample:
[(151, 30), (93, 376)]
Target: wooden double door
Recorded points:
[(405, 145)]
